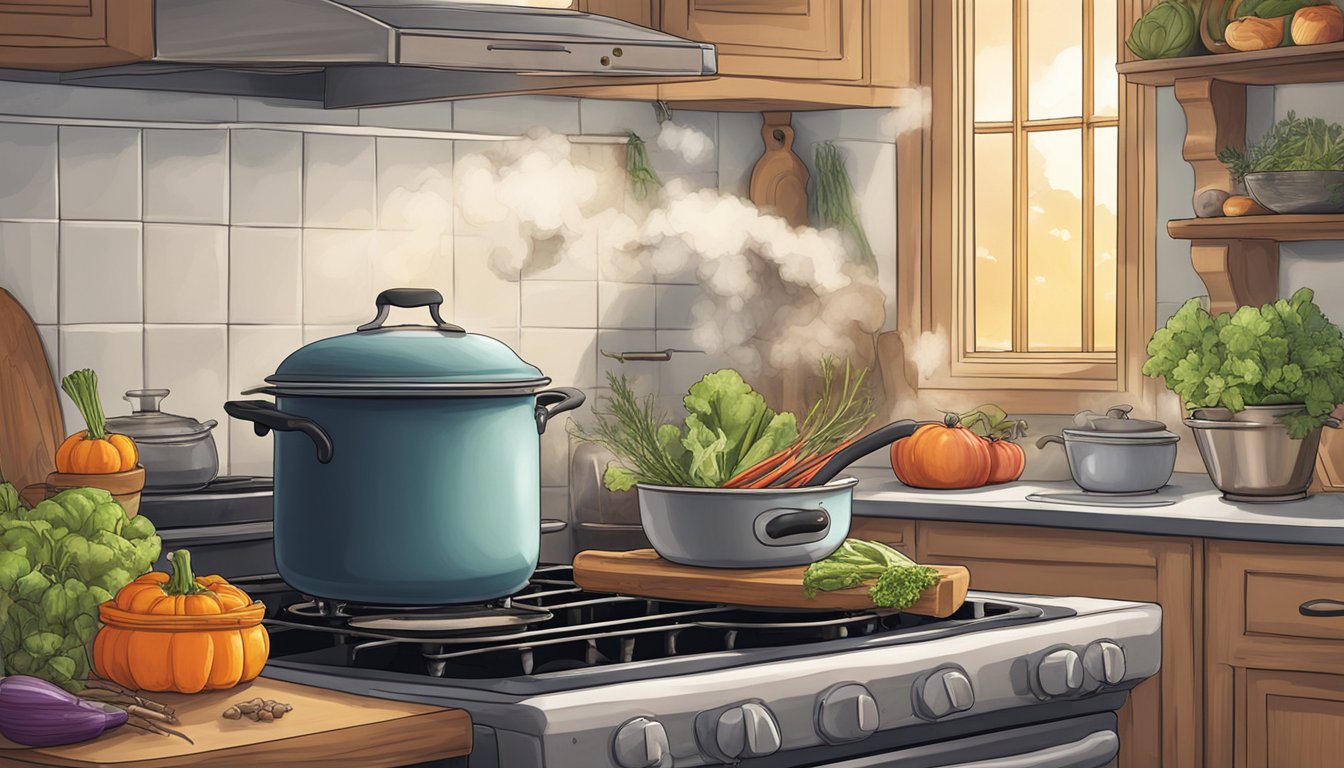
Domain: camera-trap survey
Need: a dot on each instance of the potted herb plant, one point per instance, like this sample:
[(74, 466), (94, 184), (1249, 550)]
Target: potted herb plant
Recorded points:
[(1298, 167), (1261, 383)]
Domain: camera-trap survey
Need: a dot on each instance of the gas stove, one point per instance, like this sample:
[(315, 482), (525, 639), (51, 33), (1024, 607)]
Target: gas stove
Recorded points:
[(556, 677)]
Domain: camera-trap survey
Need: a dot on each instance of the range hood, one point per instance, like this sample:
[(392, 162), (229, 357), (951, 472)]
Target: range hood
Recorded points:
[(350, 53)]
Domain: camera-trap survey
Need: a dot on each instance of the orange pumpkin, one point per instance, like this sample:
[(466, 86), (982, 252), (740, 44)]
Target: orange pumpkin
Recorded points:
[(180, 633), (1006, 461), (942, 456), (92, 451)]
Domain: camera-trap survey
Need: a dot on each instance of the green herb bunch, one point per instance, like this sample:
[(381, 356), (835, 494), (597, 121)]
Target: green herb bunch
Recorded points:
[(1282, 353), (1292, 144), (896, 580), (58, 562), (832, 200), (643, 180)]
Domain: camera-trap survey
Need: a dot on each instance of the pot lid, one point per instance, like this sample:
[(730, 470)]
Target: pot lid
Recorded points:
[(439, 356), (148, 422), (1115, 421), (1149, 437)]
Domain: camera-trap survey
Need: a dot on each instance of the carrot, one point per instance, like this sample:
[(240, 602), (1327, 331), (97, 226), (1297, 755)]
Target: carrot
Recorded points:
[(755, 471), (811, 465), (768, 479)]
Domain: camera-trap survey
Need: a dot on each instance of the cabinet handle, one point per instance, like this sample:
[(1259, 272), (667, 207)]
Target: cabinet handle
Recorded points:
[(1321, 608)]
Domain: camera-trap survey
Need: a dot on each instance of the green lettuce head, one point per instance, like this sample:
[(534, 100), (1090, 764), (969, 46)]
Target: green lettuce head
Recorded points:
[(1168, 30)]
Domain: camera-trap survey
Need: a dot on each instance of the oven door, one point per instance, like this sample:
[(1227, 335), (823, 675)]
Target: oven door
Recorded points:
[(1088, 742)]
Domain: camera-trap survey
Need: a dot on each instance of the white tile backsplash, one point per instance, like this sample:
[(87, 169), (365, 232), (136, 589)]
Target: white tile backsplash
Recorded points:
[(337, 275), (559, 303), (186, 176), (99, 172), (415, 184), (482, 298), (186, 273), (115, 352), (28, 266), (192, 361), (51, 344), (626, 305), (254, 353), (27, 171), (265, 275), (414, 259), (568, 356), (339, 181), (266, 185), (676, 305), (643, 377), (740, 147), (513, 115), (101, 272)]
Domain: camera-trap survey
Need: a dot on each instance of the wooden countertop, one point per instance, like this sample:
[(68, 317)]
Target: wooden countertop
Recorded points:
[(325, 728)]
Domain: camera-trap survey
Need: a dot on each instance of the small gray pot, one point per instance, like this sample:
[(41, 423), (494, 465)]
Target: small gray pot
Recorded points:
[(1116, 454), (747, 527), (1298, 191), (177, 452)]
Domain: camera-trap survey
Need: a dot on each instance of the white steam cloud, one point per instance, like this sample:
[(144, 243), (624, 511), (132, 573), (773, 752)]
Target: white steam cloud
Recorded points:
[(688, 142), (913, 116)]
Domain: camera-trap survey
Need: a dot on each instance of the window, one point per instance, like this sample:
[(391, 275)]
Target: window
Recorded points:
[(1026, 260), (1045, 114)]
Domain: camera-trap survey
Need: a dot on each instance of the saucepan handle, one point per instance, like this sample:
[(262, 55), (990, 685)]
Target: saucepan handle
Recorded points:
[(408, 298), (265, 417), (1048, 439), (555, 401), (783, 526)]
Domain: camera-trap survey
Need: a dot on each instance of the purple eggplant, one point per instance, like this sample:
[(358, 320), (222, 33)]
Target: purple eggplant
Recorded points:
[(36, 713)]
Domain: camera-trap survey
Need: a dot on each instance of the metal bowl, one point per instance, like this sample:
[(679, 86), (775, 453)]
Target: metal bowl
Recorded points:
[(1250, 456), (1298, 191)]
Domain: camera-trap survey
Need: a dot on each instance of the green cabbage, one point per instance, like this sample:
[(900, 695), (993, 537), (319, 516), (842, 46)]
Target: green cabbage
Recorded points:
[(58, 562), (1168, 30), (1282, 353)]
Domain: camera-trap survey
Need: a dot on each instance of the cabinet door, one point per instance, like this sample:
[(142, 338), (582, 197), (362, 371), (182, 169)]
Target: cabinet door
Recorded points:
[(1160, 725), (641, 12), (808, 39), (62, 35), (1292, 720)]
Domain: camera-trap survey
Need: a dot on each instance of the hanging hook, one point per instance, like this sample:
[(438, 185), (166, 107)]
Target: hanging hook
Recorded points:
[(662, 110)]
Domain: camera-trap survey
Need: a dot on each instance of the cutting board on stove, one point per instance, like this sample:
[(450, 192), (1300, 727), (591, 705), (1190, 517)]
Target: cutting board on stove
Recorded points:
[(643, 573), (31, 426)]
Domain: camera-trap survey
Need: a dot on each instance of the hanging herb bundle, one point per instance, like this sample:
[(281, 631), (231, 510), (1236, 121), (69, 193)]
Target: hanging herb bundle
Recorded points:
[(643, 180), (832, 200)]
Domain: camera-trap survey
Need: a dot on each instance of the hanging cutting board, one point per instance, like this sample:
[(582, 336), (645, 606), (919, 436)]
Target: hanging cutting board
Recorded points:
[(779, 180), (643, 573), (31, 426)]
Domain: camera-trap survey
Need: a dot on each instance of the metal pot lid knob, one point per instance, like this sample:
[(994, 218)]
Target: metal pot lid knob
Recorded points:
[(408, 298), (145, 400)]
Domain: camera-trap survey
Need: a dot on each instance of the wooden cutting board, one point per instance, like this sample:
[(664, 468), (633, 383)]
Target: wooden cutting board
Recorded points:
[(779, 180), (31, 426), (644, 574)]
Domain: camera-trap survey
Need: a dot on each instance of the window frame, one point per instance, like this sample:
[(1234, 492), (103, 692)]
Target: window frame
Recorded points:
[(932, 224)]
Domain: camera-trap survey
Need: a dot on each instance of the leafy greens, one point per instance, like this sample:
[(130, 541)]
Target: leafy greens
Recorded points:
[(1292, 144), (58, 562), (896, 580), (727, 428), (1282, 353)]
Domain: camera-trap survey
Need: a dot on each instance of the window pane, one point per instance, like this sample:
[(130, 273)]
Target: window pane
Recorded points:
[(1054, 58), (1054, 240), (1105, 80), (993, 280), (1104, 218), (993, 22)]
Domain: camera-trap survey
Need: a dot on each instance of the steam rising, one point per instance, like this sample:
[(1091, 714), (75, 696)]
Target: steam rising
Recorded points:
[(689, 142)]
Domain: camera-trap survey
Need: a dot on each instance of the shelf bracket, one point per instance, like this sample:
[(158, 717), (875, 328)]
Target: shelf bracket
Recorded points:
[(1237, 272), (1215, 118)]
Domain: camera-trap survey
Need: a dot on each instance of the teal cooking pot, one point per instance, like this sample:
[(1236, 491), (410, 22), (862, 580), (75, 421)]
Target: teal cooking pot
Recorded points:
[(407, 461)]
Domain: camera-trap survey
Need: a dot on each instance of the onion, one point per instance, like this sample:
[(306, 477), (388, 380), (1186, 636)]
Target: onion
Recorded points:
[(36, 713)]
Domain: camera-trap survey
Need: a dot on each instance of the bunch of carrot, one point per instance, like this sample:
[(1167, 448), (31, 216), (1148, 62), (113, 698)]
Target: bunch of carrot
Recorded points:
[(836, 420)]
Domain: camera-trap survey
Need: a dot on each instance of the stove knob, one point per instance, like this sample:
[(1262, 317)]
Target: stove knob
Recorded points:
[(642, 743), (748, 730), (944, 693), (1104, 662), (847, 713), (1060, 673)]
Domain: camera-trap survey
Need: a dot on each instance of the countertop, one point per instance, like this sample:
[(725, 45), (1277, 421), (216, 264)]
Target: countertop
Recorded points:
[(324, 728), (1198, 510)]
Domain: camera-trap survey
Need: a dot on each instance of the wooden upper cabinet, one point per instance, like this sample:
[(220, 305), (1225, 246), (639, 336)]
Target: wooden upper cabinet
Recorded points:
[(641, 12), (807, 39), (64, 35)]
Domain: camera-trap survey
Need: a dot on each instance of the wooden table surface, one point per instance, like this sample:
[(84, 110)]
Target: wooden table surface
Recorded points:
[(325, 728)]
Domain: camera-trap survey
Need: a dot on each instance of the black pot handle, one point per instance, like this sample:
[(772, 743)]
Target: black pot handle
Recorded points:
[(797, 522), (1323, 608), (265, 417), (560, 399), (407, 298)]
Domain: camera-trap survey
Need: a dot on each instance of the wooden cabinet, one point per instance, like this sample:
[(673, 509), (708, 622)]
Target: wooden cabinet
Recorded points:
[(1160, 725), (64, 35), (641, 12), (1275, 677), (812, 39)]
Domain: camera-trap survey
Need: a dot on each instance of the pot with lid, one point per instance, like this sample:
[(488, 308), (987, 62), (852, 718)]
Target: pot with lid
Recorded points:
[(1115, 454), (177, 452), (407, 461)]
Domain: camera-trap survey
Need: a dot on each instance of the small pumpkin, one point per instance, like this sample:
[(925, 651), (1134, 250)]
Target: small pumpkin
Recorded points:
[(942, 456), (1006, 460), (179, 632), (1318, 24), (92, 451)]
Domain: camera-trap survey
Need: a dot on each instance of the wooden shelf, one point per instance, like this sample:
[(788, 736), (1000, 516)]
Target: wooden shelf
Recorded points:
[(1284, 228), (1294, 64)]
